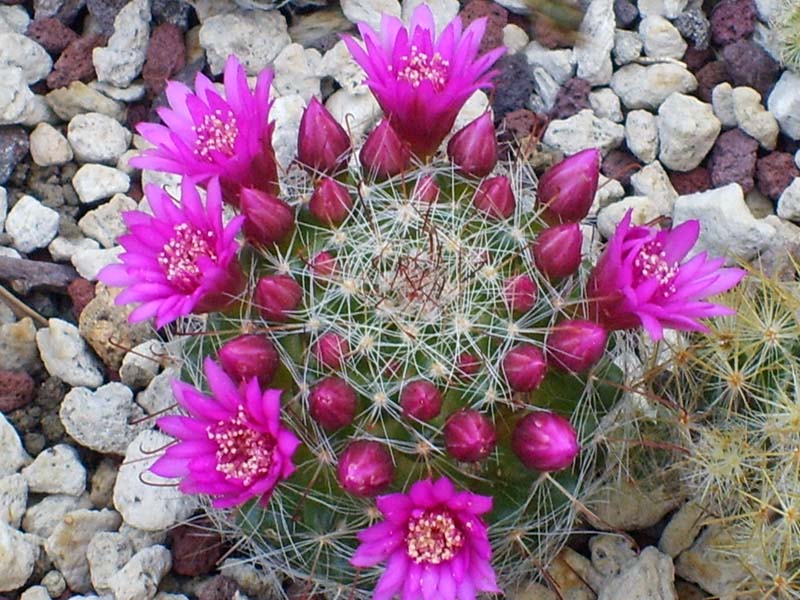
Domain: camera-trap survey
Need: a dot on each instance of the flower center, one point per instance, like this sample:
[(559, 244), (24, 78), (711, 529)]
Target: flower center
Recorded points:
[(418, 67), (215, 133), (433, 538), (242, 452), (179, 256), (651, 263)]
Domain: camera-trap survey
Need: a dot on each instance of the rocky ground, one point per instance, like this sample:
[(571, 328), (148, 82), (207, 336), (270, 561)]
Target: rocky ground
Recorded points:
[(696, 119)]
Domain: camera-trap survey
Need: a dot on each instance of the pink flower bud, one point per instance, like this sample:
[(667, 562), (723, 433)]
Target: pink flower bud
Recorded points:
[(557, 250), (545, 441), (332, 403), (495, 198), (468, 365), (427, 190), (323, 264), (276, 296), (566, 190), (384, 154), (473, 149), (268, 220), (520, 293), (365, 468), (421, 400), (322, 144), (576, 345), (249, 356), (525, 367), (330, 203), (469, 436), (331, 349)]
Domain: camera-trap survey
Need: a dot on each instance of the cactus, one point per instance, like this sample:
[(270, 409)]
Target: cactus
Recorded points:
[(786, 31)]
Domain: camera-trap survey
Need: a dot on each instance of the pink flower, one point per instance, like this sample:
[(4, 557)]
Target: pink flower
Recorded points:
[(434, 541), (206, 135), (232, 445), (181, 259), (421, 81), (642, 279)]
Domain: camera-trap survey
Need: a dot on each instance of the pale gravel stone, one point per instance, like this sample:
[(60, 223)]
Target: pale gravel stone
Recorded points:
[(67, 545), (339, 64), (295, 72), (102, 483), (650, 576), (753, 118), (687, 129), (107, 553), (97, 138), (13, 19), (608, 191), (141, 539), (41, 518), (132, 93), (3, 207), (36, 592), (15, 96), (14, 456), (56, 470), (357, 113), (660, 38), (123, 163), (789, 202), (443, 11), (515, 39), (627, 505), (38, 111), (157, 396), (665, 8), (13, 499), (54, 582), (142, 363), (63, 249), (18, 554), (370, 11), (105, 223), (759, 205), (784, 103), (65, 355), (627, 46), (605, 104), (722, 103), (139, 578), (560, 64), (610, 553), (596, 39), (647, 87), (644, 211), (652, 181), (18, 351), (122, 59), (31, 225), (78, 98), (286, 112), (94, 182), (49, 147), (641, 135), (18, 50), (546, 87), (683, 528), (582, 131), (477, 104)]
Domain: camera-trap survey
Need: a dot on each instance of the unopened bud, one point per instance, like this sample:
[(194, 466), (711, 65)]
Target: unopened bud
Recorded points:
[(469, 436), (545, 441), (276, 296), (524, 367), (332, 403), (365, 468)]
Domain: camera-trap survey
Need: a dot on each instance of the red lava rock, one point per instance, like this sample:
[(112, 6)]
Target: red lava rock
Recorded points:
[(16, 390), (571, 99), (732, 20), (711, 75), (691, 182), (750, 65), (774, 172), (75, 62), (13, 147), (733, 159), (219, 587), (195, 549), (166, 55), (51, 34), (521, 123), (696, 58), (619, 165), (81, 292), (497, 18)]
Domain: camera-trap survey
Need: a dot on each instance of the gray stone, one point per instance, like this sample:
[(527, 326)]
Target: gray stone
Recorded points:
[(546, 87), (682, 529), (17, 50), (97, 138), (89, 262), (42, 518), (78, 98), (141, 539), (596, 39), (665, 8), (286, 112), (514, 38), (54, 583), (789, 201), (357, 113), (295, 72), (49, 147), (122, 59), (139, 578), (753, 118), (651, 576), (582, 131), (66, 356), (722, 102), (107, 553), (36, 592), (687, 129), (157, 396), (15, 96), (56, 470), (652, 181), (339, 64), (641, 135), (142, 363), (370, 11), (132, 93), (644, 211), (18, 350), (94, 182), (605, 104), (31, 224), (611, 554), (13, 19), (18, 554), (784, 103), (627, 46), (13, 499), (647, 87), (559, 64), (105, 223), (14, 456), (660, 38), (627, 505), (64, 248)]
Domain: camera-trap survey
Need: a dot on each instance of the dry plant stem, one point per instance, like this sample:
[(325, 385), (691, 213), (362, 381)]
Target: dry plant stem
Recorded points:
[(19, 308)]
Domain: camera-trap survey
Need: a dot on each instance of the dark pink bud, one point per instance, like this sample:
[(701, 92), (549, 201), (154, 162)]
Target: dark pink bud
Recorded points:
[(427, 190), (566, 190), (249, 356), (473, 149), (576, 345), (276, 296), (268, 220), (525, 367), (365, 468), (421, 400), (557, 250), (468, 364), (469, 436), (322, 144), (323, 264), (495, 198), (545, 441), (520, 293), (384, 154), (330, 203), (331, 349), (332, 403)]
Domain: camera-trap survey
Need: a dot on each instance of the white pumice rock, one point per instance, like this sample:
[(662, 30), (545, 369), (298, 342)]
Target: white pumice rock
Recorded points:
[(627, 46), (157, 396), (56, 470), (722, 103), (608, 191), (65, 355), (784, 103), (18, 351), (36, 592), (18, 50), (15, 96), (650, 575), (94, 182), (789, 202), (605, 104), (652, 181), (9, 252), (97, 138), (38, 111), (664, 8), (139, 578), (105, 223), (54, 583), (753, 118), (141, 539), (370, 11), (687, 129), (49, 147), (357, 113), (3, 207), (647, 87), (64, 248), (560, 64), (42, 518), (122, 59), (132, 93), (546, 87), (13, 19), (123, 162), (107, 553), (142, 363), (443, 11), (660, 38), (727, 228), (515, 39), (683, 528), (18, 554), (760, 206), (13, 499), (102, 420), (641, 135), (644, 211), (14, 456), (148, 507), (582, 131), (31, 224), (78, 98), (596, 39), (67, 545), (295, 72), (610, 554), (286, 112), (255, 37), (339, 64), (474, 107)]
